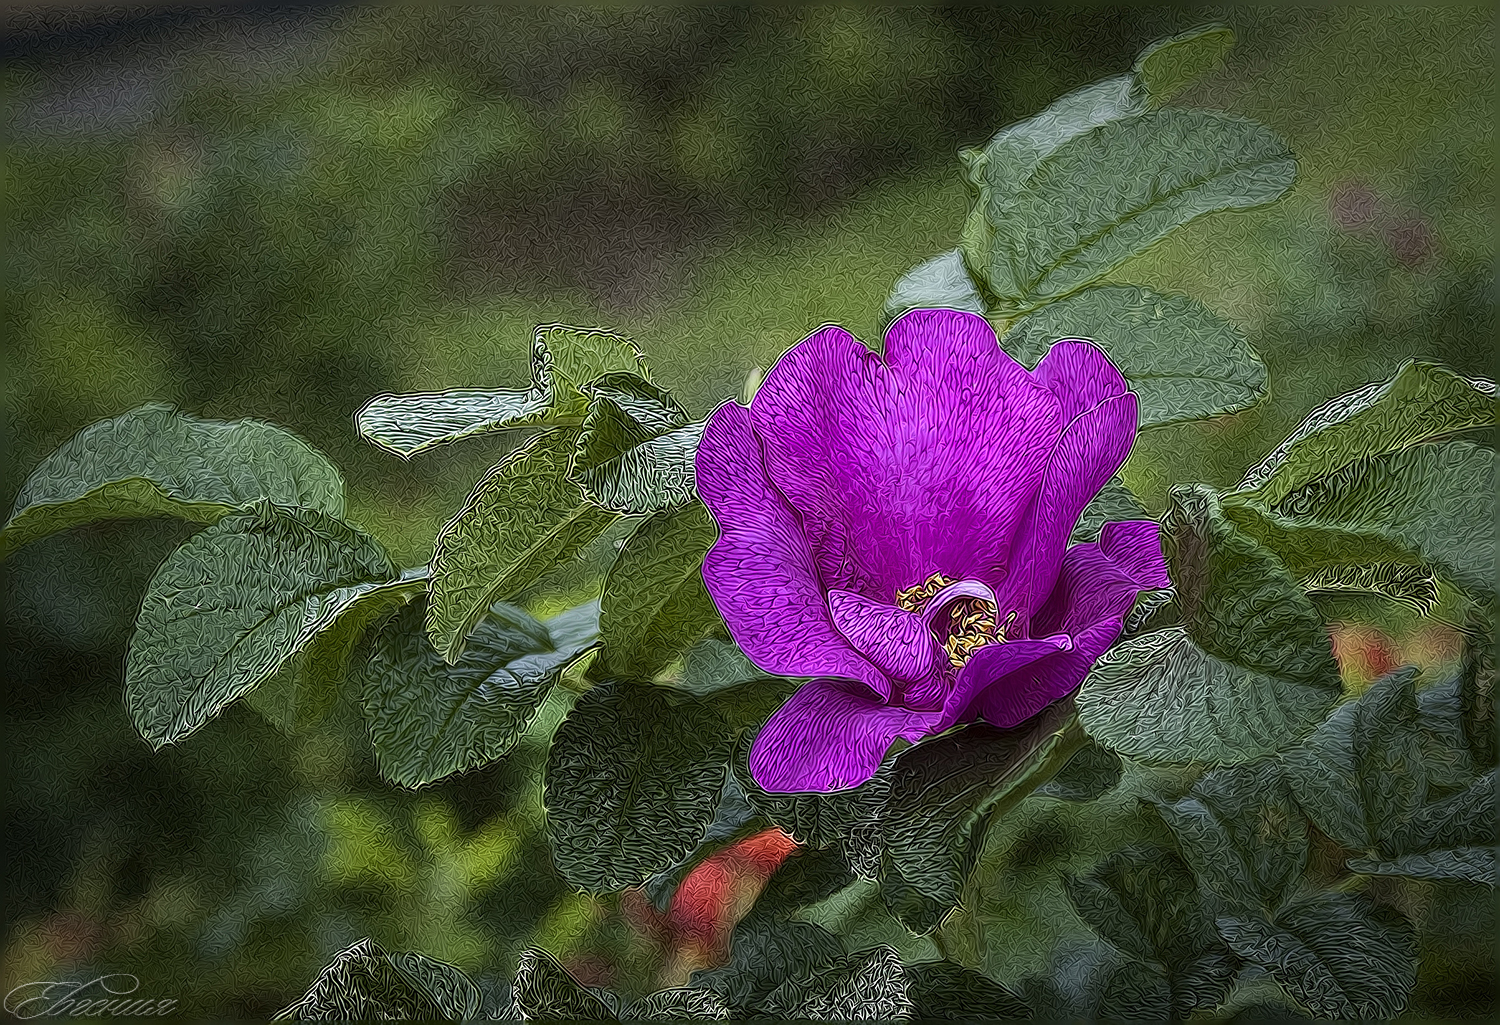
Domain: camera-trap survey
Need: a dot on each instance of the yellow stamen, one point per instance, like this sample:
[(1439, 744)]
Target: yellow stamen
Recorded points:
[(971, 621)]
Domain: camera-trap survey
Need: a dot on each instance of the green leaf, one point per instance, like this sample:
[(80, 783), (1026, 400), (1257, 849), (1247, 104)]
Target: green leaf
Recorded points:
[(1166, 68), (946, 991), (713, 666), (655, 604), (1466, 864), (734, 819), (941, 282), (1477, 686), (304, 689), (229, 609), (524, 516), (762, 954), (678, 1005), (544, 991), (1182, 360), (1043, 237), (632, 783), (1127, 990), (1437, 499), (563, 360), (1323, 775), (364, 983), (635, 450), (1339, 954), (870, 985), (1088, 775), (942, 789), (1225, 686), (1462, 820), (1329, 557), (816, 820), (1421, 402), (428, 719), (154, 461), (807, 876), (1113, 503)]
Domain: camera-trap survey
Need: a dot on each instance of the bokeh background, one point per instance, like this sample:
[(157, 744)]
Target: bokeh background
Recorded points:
[(278, 215)]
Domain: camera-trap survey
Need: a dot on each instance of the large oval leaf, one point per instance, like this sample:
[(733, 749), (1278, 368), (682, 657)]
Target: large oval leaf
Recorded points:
[(154, 461), (1045, 237), (1421, 402), (227, 610), (655, 604), (632, 783), (429, 719), (525, 515), (1182, 360)]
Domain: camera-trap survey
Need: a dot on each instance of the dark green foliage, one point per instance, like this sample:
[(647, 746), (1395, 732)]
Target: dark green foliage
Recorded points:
[(365, 983)]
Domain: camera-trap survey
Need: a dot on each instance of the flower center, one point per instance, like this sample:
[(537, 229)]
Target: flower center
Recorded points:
[(963, 612)]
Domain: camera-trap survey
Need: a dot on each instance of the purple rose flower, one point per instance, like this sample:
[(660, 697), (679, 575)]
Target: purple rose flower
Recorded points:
[(897, 529)]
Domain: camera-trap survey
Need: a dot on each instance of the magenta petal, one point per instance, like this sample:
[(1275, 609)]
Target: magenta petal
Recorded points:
[(1095, 589), (829, 736), (1079, 375), (894, 639), (918, 463), (759, 572), (1092, 448), (997, 667), (1134, 546)]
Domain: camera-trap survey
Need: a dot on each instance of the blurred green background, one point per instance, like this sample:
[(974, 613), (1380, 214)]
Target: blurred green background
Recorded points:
[(280, 215)]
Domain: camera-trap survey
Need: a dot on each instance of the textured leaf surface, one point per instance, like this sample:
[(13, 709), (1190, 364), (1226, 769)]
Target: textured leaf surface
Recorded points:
[(942, 282), (1249, 671), (941, 789), (950, 992), (1089, 774), (154, 461), (429, 719), (867, 986), (1338, 954), (734, 819), (632, 783), (1182, 360), (655, 604), (521, 518), (544, 991), (678, 1005), (229, 609), (1438, 499), (1106, 194), (1242, 834), (1467, 864), (1422, 401), (1171, 65), (364, 983), (817, 820), (563, 360), (763, 954), (713, 666), (307, 685), (636, 447)]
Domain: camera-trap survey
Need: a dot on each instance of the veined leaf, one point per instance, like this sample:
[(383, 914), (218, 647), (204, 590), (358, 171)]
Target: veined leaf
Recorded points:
[(524, 516), (635, 450), (764, 953), (1339, 954), (429, 719), (632, 783), (563, 360), (154, 461), (1043, 237), (227, 610), (544, 991), (1182, 360), (655, 604), (1466, 864), (306, 686), (364, 983), (870, 985), (1421, 402), (1226, 686)]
